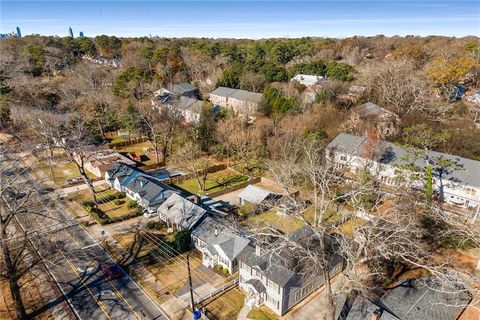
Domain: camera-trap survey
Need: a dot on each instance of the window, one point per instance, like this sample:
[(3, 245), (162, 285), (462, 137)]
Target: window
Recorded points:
[(273, 285), (470, 191), (343, 157), (274, 302)]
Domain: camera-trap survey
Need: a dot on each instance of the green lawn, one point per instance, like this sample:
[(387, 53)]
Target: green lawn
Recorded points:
[(216, 181), (62, 172), (284, 223), (260, 314)]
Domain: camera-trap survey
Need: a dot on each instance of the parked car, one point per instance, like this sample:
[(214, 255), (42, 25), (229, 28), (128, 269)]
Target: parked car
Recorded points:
[(112, 271)]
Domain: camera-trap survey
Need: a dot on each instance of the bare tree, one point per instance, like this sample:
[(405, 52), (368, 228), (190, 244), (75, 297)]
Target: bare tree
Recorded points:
[(15, 199), (160, 126), (190, 158), (243, 142)]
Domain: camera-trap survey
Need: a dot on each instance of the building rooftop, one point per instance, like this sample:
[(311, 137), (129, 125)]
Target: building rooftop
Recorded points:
[(106, 157), (181, 211), (414, 299), (184, 87), (396, 155), (255, 194), (238, 94), (370, 110), (308, 80)]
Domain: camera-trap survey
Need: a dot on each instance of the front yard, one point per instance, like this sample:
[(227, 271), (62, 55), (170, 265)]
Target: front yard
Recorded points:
[(112, 203), (226, 306), (261, 314), (63, 171), (216, 181)]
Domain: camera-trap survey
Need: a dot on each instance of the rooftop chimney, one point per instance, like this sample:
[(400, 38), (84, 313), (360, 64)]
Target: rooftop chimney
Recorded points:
[(258, 250), (216, 232), (196, 199)]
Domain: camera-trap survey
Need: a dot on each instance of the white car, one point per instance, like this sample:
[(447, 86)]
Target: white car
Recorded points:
[(149, 215)]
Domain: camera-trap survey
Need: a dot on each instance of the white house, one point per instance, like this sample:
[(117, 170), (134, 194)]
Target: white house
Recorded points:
[(146, 190), (218, 243), (277, 278), (308, 80), (457, 184), (180, 213)]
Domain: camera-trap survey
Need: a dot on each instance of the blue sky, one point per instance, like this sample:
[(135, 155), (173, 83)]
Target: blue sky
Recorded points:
[(242, 19)]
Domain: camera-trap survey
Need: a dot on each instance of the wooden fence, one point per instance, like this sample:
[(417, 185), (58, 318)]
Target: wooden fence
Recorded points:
[(233, 188), (128, 142)]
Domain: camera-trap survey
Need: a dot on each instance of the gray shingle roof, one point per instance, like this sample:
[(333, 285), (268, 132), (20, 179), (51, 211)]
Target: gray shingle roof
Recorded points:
[(257, 284), (152, 191), (414, 299), (468, 172), (181, 211), (368, 109), (214, 232), (238, 94), (182, 88), (234, 246), (121, 171), (424, 299)]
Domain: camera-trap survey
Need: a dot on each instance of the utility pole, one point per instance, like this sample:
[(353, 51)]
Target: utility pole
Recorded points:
[(190, 284)]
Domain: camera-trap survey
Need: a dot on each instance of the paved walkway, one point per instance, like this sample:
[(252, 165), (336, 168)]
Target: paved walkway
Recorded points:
[(242, 315)]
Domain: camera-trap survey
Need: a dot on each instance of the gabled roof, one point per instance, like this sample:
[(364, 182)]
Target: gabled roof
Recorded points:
[(255, 194), (181, 211), (425, 299), (414, 299), (396, 155), (152, 191), (182, 88), (370, 110), (121, 171), (238, 94), (233, 247), (219, 235)]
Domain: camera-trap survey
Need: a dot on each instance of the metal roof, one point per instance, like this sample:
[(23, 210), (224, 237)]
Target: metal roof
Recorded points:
[(255, 194), (238, 94)]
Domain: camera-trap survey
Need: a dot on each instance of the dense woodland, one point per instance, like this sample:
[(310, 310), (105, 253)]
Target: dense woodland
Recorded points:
[(411, 76)]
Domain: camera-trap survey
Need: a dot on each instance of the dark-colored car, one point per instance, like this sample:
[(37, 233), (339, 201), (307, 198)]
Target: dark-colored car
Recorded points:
[(112, 271)]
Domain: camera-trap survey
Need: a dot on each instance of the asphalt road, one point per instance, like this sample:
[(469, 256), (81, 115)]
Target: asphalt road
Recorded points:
[(75, 260)]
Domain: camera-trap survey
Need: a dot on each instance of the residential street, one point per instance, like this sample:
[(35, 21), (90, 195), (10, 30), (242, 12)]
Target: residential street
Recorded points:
[(76, 263)]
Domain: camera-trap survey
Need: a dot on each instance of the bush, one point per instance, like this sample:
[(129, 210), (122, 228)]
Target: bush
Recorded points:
[(183, 241), (132, 204), (88, 204), (118, 202), (120, 195), (225, 272)]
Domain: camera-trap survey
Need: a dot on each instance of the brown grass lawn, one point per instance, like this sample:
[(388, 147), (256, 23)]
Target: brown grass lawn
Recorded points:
[(261, 314), (226, 306), (284, 223), (110, 208), (140, 149), (62, 171)]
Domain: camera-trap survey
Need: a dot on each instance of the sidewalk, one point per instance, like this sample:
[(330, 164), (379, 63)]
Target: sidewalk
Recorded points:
[(242, 315)]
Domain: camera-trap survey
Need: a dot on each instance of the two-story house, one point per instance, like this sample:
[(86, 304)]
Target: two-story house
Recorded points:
[(371, 116), (219, 243), (456, 180), (242, 102), (277, 278)]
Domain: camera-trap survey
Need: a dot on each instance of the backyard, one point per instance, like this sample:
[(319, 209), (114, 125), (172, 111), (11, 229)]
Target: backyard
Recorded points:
[(286, 224), (142, 150), (216, 181)]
